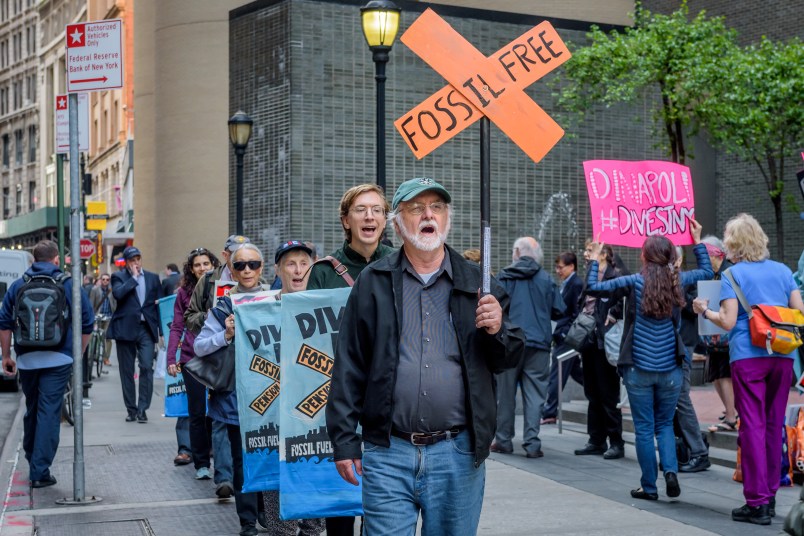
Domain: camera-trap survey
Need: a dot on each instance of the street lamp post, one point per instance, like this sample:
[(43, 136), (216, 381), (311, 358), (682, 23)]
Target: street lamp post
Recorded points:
[(239, 134), (380, 21)]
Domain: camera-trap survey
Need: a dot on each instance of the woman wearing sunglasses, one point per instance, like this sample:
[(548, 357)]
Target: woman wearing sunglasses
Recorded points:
[(198, 263), (219, 331)]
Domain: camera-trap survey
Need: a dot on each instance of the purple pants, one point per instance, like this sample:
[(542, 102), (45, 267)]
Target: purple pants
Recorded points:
[(761, 387)]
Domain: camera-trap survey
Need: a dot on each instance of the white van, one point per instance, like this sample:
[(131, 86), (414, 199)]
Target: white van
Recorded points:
[(13, 264)]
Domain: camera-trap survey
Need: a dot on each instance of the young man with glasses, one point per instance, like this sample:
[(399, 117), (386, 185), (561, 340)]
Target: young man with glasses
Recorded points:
[(363, 213)]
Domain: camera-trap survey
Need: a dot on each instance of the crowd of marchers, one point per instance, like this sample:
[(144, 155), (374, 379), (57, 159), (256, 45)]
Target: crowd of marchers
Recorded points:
[(428, 365)]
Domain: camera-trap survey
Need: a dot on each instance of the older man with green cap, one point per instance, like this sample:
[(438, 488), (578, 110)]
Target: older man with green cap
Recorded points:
[(415, 363)]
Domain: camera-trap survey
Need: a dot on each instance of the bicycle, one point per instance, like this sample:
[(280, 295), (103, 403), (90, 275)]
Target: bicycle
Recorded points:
[(97, 346), (67, 405)]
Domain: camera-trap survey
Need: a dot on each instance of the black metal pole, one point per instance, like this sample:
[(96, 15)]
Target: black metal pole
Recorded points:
[(485, 203), (239, 153), (380, 58)]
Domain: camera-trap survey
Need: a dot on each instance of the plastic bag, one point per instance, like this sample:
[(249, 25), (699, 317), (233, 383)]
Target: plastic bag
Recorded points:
[(161, 364), (613, 339)]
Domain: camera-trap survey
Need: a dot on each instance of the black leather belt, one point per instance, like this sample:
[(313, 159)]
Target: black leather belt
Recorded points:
[(422, 439)]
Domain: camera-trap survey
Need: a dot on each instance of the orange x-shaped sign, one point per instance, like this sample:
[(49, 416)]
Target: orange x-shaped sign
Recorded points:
[(480, 86)]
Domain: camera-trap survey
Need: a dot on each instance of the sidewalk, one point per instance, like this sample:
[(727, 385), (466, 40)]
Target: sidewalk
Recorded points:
[(130, 466)]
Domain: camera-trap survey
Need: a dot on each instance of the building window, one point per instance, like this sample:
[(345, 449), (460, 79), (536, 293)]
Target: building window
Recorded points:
[(32, 196), (19, 199), (32, 144), (3, 101), (6, 204), (18, 146), (6, 150)]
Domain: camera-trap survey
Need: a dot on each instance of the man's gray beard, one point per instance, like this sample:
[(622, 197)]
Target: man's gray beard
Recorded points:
[(425, 243)]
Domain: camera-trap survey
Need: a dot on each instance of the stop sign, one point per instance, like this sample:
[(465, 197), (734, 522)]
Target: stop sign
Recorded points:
[(87, 248)]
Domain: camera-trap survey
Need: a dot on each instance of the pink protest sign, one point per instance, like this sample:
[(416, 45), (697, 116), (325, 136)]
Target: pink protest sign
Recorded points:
[(631, 201)]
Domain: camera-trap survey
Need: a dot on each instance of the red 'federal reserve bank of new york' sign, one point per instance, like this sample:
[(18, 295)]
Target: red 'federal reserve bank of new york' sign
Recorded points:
[(94, 56)]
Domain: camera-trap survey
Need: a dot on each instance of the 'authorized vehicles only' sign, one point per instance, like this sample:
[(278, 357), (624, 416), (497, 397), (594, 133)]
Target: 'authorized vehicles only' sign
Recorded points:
[(94, 56)]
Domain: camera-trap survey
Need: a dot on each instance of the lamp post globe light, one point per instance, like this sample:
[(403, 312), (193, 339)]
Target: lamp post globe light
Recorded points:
[(380, 21), (239, 134)]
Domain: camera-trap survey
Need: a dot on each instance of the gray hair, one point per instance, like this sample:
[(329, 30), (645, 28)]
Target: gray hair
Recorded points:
[(250, 246), (713, 241), (529, 247)]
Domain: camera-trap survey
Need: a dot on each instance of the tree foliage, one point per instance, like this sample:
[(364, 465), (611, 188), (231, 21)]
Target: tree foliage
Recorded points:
[(753, 107), (655, 57)]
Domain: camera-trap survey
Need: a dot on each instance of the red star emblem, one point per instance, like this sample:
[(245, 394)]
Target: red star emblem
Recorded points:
[(75, 35), (61, 103)]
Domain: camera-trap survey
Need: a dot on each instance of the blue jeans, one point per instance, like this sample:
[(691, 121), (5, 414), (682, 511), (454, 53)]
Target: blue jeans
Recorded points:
[(653, 397), (183, 435), (44, 396), (439, 480), (223, 452)]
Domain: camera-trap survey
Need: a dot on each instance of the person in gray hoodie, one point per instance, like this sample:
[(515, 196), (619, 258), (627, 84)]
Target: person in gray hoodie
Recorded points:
[(535, 300)]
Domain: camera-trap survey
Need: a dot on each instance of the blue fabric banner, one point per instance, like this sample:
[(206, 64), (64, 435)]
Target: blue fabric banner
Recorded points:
[(175, 392), (257, 325), (309, 484)]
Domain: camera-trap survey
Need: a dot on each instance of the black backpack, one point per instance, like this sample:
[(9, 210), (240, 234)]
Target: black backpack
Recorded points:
[(41, 312)]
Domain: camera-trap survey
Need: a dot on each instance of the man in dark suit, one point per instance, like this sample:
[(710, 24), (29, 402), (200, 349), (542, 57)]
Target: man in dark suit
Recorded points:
[(171, 281), (135, 327), (571, 289)]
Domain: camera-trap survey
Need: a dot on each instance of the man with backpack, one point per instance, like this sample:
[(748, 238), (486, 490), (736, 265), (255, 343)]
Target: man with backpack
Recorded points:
[(38, 309)]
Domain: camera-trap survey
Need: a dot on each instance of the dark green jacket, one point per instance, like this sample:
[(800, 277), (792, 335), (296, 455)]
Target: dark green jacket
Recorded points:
[(323, 274)]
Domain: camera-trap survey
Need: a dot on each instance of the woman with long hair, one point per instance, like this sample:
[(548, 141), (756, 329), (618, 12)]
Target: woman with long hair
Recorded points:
[(198, 262), (651, 352), (761, 379)]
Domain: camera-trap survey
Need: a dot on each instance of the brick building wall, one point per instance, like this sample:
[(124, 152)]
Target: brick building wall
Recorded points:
[(303, 72), (739, 186)]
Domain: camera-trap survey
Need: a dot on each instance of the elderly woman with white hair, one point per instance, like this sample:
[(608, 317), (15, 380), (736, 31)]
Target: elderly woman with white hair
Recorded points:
[(761, 378)]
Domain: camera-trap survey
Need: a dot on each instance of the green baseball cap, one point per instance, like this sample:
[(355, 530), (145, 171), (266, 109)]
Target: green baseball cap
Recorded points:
[(410, 189)]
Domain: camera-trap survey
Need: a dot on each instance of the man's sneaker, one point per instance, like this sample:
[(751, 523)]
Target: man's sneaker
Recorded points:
[(224, 490), (758, 515), (203, 473), (696, 465), (262, 522)]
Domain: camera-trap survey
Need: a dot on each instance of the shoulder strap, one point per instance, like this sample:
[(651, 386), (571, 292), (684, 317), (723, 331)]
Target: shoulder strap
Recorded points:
[(739, 292), (339, 268)]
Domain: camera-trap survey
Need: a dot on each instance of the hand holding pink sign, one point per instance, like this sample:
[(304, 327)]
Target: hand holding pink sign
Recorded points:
[(633, 200)]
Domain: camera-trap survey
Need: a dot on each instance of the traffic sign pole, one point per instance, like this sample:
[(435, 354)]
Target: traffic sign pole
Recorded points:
[(75, 254), (60, 206)]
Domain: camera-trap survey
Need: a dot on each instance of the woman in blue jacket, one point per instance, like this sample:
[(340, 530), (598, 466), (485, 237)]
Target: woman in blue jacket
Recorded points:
[(651, 353)]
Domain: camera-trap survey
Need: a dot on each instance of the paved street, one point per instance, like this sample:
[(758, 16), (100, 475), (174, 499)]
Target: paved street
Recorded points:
[(130, 465)]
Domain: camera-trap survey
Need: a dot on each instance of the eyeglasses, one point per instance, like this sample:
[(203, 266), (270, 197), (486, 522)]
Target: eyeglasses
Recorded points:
[(239, 266), (560, 267), (417, 209), (361, 210)]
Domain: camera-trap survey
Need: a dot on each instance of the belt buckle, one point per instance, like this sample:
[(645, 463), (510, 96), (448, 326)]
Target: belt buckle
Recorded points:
[(415, 436)]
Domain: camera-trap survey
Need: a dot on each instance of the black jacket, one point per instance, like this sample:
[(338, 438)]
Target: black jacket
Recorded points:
[(607, 303), (367, 356), (571, 293), (126, 318)]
